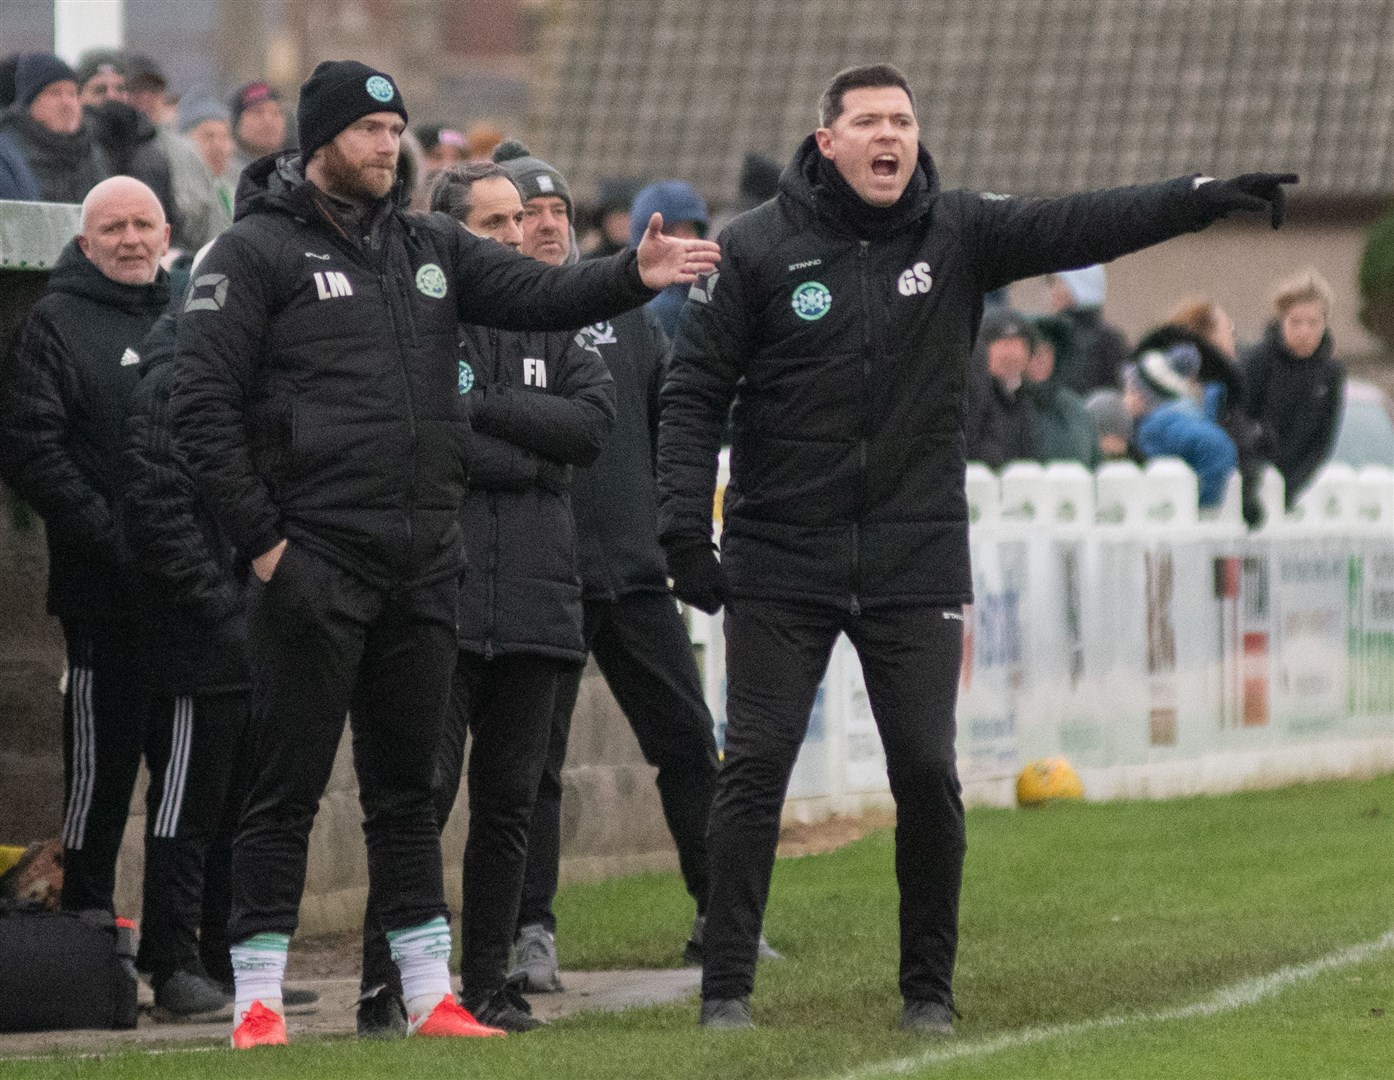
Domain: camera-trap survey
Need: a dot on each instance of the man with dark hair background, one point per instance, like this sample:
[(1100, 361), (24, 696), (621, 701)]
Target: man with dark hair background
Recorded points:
[(840, 325)]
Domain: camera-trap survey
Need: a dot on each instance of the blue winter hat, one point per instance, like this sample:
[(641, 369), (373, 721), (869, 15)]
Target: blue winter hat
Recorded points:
[(37, 71), (676, 200)]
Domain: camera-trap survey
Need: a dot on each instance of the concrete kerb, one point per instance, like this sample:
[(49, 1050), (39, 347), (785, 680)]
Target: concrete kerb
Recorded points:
[(585, 991)]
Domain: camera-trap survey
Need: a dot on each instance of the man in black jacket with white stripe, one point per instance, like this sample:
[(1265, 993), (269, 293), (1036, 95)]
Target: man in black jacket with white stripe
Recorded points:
[(66, 394), (317, 400), (840, 325)]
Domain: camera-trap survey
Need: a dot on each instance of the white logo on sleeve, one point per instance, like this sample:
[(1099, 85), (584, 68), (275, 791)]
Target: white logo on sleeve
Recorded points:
[(915, 280), (332, 283), (130, 357), (534, 373), (704, 288)]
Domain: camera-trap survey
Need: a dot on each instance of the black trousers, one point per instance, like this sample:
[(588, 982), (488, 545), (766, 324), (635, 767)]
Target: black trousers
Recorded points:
[(642, 648), (324, 641), (105, 708), (504, 707), (192, 745), (776, 654)]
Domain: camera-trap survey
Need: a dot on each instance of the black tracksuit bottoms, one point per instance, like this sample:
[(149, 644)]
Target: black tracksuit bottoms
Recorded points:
[(191, 808), (105, 708), (504, 706), (776, 655), (324, 642), (643, 649)]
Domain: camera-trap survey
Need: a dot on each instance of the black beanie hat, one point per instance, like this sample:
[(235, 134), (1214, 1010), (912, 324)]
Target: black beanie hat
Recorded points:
[(35, 71), (338, 93), (532, 176)]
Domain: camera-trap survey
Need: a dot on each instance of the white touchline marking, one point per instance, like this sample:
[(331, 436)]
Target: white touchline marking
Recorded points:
[(1226, 999)]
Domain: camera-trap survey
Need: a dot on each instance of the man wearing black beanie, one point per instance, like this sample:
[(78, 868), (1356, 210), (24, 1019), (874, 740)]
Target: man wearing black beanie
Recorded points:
[(318, 398)]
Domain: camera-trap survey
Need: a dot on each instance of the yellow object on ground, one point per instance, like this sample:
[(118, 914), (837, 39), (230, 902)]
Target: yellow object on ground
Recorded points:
[(9, 855), (1046, 779)]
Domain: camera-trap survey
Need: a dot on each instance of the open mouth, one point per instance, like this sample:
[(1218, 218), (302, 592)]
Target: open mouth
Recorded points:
[(885, 165)]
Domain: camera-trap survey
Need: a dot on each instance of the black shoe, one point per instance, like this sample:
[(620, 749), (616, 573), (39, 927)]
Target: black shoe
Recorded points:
[(726, 1014), (187, 997), (922, 1017), (505, 1008), (382, 1015), (692, 951)]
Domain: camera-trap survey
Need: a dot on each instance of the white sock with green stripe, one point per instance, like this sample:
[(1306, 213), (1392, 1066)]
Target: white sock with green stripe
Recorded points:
[(422, 955), (258, 969)]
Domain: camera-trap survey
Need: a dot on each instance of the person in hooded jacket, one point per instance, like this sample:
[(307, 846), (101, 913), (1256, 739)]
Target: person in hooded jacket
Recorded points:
[(999, 421), (62, 414), (1162, 392), (1207, 327), (631, 624), (1064, 429), (1293, 385), (47, 124), (317, 399), (541, 405), (684, 214), (840, 324)]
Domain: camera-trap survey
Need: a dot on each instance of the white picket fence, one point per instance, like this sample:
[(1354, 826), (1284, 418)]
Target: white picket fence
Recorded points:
[(1162, 652)]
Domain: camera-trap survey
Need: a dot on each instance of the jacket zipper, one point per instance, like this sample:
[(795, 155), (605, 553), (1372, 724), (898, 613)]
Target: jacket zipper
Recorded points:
[(854, 603), (491, 589)]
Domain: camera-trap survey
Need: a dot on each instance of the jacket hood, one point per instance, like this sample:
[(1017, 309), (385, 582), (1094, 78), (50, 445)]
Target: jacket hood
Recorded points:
[(1214, 366), (1273, 338), (277, 182), (676, 200), (76, 275), (800, 182)]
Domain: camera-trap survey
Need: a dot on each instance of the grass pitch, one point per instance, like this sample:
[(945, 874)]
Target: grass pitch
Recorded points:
[(1129, 940)]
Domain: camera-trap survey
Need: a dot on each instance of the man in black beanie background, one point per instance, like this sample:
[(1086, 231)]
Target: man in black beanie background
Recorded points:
[(47, 125), (318, 399)]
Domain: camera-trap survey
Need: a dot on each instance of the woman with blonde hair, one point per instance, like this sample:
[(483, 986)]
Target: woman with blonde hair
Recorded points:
[(1293, 385)]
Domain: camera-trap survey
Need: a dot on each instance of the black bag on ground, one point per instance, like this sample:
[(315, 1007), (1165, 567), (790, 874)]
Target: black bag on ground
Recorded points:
[(60, 970)]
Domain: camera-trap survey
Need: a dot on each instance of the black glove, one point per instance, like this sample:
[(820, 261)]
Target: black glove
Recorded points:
[(553, 476), (1256, 191), (696, 572)]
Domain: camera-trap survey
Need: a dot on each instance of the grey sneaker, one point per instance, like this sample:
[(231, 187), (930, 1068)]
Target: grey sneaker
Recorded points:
[(692, 951), (382, 1014), (505, 1008), (535, 961), (187, 997), (922, 1017), (726, 1014)]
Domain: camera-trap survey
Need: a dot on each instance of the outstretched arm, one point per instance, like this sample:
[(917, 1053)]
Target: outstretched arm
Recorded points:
[(1023, 237)]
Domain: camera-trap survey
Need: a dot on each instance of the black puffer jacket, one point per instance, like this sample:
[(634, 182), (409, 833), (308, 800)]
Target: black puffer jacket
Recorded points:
[(1298, 402), (616, 500), (541, 404), (66, 393), (316, 386), (193, 619), (842, 335)]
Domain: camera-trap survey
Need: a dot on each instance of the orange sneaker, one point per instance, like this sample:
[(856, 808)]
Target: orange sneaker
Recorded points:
[(260, 1026), (449, 1020)]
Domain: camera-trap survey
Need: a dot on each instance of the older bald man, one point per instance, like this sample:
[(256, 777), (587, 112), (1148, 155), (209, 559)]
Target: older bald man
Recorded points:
[(63, 409)]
